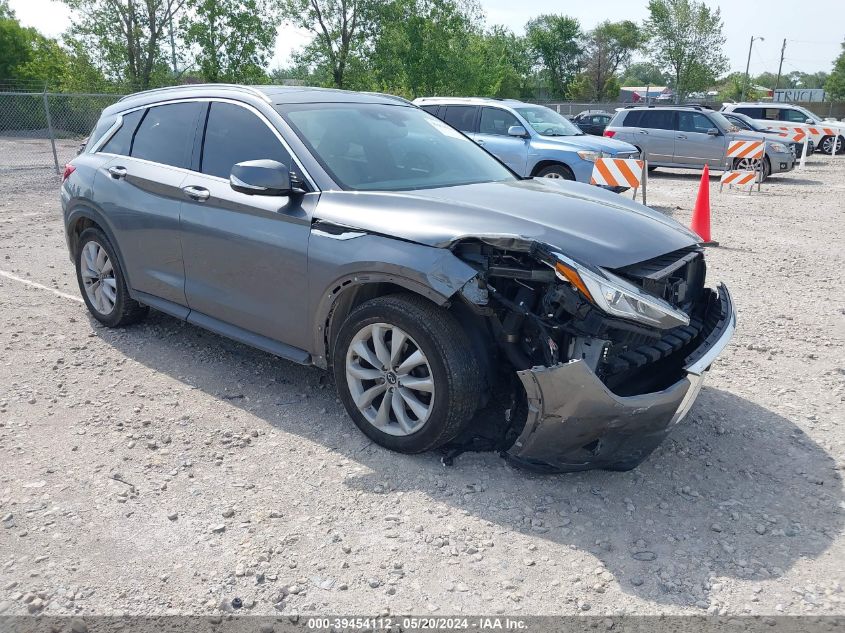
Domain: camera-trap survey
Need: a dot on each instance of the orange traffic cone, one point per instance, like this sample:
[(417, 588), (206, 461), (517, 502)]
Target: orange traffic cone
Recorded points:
[(701, 213)]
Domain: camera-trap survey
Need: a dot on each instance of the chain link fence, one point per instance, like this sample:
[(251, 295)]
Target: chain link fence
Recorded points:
[(43, 130)]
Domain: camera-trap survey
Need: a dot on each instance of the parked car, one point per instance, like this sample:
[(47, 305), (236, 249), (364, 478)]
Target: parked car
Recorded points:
[(533, 140), (747, 123), (774, 114), (692, 136), (357, 233), (592, 122)]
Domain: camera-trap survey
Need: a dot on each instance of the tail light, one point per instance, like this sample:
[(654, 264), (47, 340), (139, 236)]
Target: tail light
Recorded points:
[(69, 169), (609, 133)]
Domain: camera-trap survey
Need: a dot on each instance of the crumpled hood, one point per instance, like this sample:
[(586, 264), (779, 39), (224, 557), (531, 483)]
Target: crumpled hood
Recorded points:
[(584, 222), (585, 142)]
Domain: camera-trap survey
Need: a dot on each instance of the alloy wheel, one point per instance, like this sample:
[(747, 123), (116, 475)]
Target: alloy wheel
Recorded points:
[(98, 277), (390, 379), (554, 174), (748, 164)]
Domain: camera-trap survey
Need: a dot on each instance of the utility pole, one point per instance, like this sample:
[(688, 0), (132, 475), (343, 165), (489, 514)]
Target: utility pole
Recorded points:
[(748, 65), (780, 65)]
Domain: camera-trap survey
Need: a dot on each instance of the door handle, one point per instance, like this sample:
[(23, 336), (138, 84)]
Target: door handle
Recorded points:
[(643, 132), (479, 141), (681, 136), (200, 194), (117, 172)]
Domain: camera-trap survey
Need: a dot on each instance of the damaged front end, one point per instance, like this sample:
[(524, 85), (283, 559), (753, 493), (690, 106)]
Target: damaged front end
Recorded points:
[(609, 360)]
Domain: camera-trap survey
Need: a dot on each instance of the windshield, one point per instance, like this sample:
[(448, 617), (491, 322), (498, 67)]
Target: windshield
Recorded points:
[(380, 147), (547, 122), (725, 124), (742, 121)]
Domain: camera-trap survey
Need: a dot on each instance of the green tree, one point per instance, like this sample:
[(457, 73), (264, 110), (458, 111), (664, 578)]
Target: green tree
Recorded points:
[(340, 29), (233, 39), (15, 43), (731, 87), (556, 42), (427, 47), (126, 38), (609, 48), (769, 79), (643, 74), (502, 64), (685, 40), (835, 84)]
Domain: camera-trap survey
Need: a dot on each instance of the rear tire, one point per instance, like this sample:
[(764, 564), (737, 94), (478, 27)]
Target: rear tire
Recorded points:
[(409, 411), (557, 172), (101, 282), (826, 145)]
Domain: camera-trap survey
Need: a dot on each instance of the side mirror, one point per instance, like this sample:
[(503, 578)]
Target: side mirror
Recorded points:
[(261, 178), (809, 121), (517, 130), (713, 131)]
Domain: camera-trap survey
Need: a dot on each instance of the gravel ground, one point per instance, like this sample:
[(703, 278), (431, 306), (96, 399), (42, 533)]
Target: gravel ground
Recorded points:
[(162, 469)]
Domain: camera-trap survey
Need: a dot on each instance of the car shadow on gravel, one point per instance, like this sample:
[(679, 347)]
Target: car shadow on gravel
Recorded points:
[(736, 492)]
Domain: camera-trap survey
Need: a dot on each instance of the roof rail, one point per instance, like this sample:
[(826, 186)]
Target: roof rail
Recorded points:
[(253, 91), (387, 96), (692, 106)]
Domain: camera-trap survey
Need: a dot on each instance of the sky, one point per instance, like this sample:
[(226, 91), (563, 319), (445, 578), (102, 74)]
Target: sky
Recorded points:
[(813, 31)]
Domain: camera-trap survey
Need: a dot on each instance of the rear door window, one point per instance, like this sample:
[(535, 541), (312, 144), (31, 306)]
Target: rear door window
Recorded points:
[(233, 134), (461, 117), (166, 134), (771, 114), (632, 119), (754, 113), (658, 119), (431, 109), (121, 141), (694, 122)]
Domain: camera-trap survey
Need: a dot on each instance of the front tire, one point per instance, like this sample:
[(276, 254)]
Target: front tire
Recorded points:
[(101, 282), (561, 172), (753, 164), (406, 373)]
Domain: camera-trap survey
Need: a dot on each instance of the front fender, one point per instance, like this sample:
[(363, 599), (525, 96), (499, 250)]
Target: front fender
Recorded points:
[(341, 261)]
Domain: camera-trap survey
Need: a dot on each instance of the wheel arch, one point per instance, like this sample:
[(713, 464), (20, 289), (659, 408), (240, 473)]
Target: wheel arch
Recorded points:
[(350, 291), (350, 295), (83, 217), (548, 162)]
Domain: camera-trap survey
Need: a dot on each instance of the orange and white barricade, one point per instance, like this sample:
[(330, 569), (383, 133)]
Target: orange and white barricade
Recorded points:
[(819, 132), (752, 150), (620, 172), (796, 135), (742, 179), (746, 149)]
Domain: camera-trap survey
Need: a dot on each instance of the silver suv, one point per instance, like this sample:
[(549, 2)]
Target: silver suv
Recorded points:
[(452, 299), (692, 136)]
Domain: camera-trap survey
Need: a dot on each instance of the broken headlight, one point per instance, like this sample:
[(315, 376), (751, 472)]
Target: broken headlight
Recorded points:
[(618, 297)]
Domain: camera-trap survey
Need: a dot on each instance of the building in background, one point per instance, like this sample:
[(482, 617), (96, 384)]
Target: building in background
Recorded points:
[(637, 94)]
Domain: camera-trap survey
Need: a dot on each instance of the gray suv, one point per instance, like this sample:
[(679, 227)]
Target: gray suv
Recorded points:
[(692, 136), (453, 300)]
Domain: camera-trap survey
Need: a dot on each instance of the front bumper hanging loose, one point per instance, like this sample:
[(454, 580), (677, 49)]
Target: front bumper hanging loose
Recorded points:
[(576, 423)]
